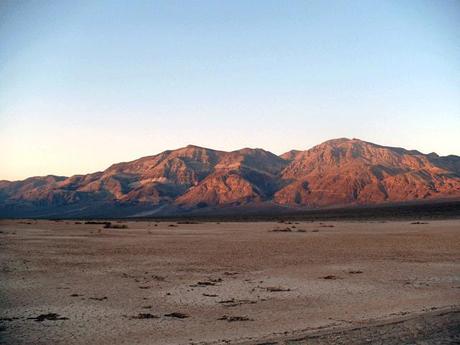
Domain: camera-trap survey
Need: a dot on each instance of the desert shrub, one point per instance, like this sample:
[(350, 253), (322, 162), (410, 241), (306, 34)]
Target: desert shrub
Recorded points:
[(109, 225)]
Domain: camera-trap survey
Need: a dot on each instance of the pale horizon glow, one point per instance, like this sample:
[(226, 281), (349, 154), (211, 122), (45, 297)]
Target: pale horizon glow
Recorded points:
[(88, 84)]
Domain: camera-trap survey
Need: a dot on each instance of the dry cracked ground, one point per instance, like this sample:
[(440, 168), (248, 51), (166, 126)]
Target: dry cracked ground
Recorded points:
[(67, 282)]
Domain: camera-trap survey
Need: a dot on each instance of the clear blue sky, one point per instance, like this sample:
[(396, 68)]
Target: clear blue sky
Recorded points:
[(84, 84)]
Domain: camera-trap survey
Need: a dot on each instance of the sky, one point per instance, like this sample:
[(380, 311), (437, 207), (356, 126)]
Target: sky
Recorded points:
[(84, 84)]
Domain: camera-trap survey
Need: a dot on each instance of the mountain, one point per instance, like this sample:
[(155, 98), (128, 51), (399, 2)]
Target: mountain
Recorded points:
[(338, 172), (344, 171)]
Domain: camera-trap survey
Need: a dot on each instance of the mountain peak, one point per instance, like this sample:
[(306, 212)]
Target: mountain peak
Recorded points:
[(290, 155), (191, 146), (339, 141)]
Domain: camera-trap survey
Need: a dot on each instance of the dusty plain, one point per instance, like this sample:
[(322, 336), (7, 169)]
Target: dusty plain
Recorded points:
[(367, 282)]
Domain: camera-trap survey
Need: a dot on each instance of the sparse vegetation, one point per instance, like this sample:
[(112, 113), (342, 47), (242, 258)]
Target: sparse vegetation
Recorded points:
[(109, 225), (187, 222)]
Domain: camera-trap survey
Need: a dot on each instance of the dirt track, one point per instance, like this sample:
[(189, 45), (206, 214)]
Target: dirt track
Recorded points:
[(242, 283)]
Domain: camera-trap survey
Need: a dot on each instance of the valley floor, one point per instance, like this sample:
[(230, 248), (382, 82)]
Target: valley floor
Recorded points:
[(68, 282)]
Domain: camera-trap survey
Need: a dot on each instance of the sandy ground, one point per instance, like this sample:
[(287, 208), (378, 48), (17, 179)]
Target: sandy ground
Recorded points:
[(237, 283)]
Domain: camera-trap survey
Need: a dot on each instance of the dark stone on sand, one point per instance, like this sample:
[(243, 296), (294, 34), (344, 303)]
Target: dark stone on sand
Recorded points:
[(177, 315), (98, 298), (235, 318), (49, 317), (330, 277), (143, 316)]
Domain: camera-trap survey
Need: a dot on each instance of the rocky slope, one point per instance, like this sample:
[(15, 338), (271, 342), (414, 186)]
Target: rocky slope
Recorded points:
[(337, 172)]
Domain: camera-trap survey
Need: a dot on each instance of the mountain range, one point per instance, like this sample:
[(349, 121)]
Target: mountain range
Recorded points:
[(198, 180)]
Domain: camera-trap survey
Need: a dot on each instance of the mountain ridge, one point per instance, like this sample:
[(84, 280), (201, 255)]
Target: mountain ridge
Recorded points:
[(337, 172)]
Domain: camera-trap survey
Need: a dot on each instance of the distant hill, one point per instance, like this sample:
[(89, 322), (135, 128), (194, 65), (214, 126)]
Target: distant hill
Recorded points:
[(193, 180)]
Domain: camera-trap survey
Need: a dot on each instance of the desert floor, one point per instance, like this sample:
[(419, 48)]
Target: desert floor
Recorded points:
[(239, 283)]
